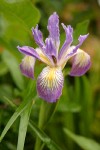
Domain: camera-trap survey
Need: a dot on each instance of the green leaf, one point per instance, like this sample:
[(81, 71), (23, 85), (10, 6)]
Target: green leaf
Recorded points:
[(18, 18), (3, 69), (19, 110), (9, 102), (68, 103), (22, 11), (13, 66), (50, 143), (10, 47), (10, 146), (28, 99), (44, 118), (86, 101), (81, 29), (83, 142), (23, 126), (6, 91)]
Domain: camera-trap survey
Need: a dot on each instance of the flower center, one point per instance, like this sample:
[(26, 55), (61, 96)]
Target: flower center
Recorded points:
[(54, 60)]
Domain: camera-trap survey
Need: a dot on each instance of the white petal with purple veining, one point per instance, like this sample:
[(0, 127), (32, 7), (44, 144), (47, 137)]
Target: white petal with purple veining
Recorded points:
[(50, 84), (81, 63), (27, 66)]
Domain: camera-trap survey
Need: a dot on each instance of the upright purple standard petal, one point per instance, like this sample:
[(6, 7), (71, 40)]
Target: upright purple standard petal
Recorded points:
[(50, 84), (68, 41), (38, 37), (50, 48), (27, 66), (81, 63), (53, 27), (81, 39), (26, 50)]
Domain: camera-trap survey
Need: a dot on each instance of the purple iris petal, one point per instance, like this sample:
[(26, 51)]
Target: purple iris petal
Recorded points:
[(50, 84), (81, 64), (28, 51), (50, 81), (53, 28), (50, 48), (38, 37), (68, 41), (27, 66), (81, 39)]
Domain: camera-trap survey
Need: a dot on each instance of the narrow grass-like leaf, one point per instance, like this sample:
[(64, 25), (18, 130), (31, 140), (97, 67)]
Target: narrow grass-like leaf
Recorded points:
[(83, 142), (10, 146), (28, 98), (9, 102), (13, 118), (45, 117), (50, 143), (5, 91), (68, 103), (23, 126), (13, 66), (86, 103)]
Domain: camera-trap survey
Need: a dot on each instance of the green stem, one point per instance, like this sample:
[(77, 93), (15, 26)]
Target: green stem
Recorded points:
[(46, 112), (41, 123)]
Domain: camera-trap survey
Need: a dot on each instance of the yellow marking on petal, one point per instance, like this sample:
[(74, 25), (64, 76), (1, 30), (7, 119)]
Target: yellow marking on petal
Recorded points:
[(51, 78), (28, 61), (43, 57), (81, 58)]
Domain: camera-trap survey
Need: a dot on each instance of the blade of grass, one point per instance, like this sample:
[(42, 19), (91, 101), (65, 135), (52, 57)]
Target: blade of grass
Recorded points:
[(49, 143), (84, 143), (20, 109), (23, 126), (86, 103), (9, 102), (25, 117)]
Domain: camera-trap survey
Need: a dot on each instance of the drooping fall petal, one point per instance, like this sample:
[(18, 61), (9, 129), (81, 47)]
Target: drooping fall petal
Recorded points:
[(81, 63), (27, 66), (50, 84)]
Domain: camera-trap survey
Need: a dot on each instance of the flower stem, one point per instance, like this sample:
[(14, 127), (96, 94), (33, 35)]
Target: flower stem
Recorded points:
[(41, 123), (46, 112)]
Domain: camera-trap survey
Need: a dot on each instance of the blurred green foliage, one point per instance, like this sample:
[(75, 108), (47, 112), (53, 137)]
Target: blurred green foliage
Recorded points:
[(78, 109)]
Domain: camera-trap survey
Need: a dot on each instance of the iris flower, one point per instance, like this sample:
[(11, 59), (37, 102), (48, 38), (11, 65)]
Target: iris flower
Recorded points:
[(50, 81)]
